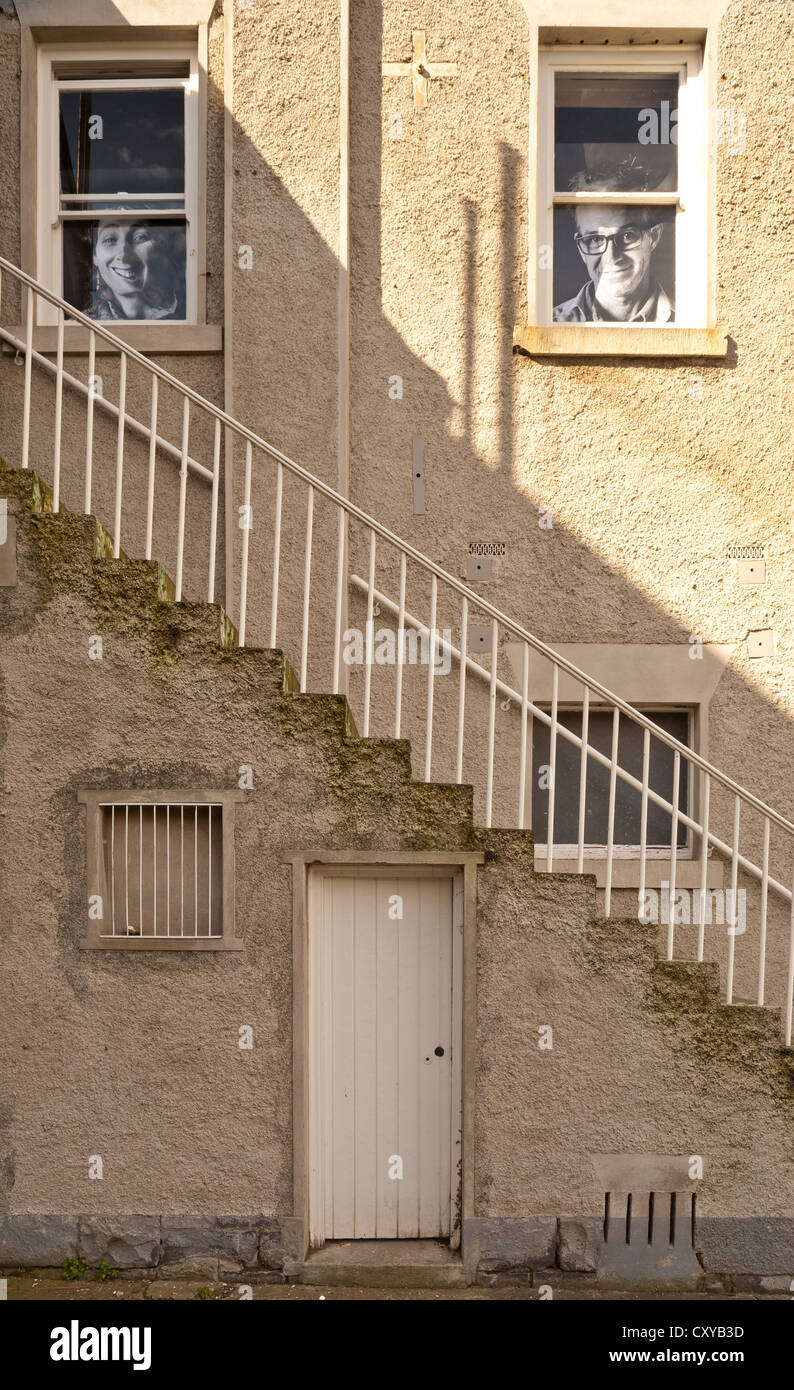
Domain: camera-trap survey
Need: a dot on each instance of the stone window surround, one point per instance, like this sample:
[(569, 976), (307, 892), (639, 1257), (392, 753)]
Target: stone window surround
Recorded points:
[(630, 24), (93, 800), (80, 22), (643, 675)]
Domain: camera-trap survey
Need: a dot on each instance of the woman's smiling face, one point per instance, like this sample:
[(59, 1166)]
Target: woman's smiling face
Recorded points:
[(127, 257)]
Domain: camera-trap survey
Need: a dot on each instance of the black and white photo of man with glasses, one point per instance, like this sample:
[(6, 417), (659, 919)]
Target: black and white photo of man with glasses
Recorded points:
[(618, 245)]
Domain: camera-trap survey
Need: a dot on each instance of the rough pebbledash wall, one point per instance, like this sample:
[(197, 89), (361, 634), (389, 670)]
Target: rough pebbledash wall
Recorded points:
[(135, 1057)]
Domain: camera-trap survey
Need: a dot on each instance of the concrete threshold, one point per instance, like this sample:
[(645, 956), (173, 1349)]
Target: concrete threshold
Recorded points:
[(385, 1264)]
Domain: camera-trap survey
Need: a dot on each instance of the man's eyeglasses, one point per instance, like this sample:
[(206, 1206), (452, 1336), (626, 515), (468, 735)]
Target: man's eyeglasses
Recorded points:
[(625, 239)]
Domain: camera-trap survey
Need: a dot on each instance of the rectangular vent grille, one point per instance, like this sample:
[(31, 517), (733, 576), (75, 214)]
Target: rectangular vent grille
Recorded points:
[(649, 1218), (163, 870)]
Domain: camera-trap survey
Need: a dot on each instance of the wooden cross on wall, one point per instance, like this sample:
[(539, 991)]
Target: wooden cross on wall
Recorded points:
[(419, 70)]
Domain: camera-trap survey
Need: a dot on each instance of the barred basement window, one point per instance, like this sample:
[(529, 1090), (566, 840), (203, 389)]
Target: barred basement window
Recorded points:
[(160, 870)]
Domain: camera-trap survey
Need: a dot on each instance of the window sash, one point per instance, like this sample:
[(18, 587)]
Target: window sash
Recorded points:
[(690, 200)]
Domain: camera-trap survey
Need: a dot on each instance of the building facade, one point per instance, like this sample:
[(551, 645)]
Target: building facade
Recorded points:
[(396, 677)]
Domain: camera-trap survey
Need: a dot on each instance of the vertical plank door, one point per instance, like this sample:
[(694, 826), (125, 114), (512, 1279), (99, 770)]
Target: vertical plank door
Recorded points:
[(381, 1115)]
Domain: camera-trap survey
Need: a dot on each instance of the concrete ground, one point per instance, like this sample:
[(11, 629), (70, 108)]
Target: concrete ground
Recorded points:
[(53, 1287)]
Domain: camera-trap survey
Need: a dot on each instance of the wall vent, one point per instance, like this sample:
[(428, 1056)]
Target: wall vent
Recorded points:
[(756, 551), (650, 1219)]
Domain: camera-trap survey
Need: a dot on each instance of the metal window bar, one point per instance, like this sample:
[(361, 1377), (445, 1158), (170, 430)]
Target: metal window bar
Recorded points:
[(150, 872)]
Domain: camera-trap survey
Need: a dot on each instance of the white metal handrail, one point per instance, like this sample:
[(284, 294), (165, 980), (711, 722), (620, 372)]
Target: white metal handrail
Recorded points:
[(441, 584)]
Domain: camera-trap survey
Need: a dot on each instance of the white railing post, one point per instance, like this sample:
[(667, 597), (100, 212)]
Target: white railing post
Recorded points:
[(276, 554), (150, 481), (491, 725), (56, 466), (340, 591), (673, 854), (790, 980), (247, 522), (704, 863), (464, 642), (398, 690), (29, 317), (764, 901), (89, 423), (733, 899), (216, 474), (307, 586), (613, 773), (120, 455), (431, 674), (180, 543), (369, 635), (522, 756), (583, 780), (646, 763), (555, 690)]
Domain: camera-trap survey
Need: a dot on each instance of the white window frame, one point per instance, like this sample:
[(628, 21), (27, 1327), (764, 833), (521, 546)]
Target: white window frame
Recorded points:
[(692, 261), (49, 215)]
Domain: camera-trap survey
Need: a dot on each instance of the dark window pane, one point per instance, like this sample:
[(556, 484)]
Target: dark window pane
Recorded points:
[(123, 142), (628, 802), (614, 264), (615, 132), (126, 268)]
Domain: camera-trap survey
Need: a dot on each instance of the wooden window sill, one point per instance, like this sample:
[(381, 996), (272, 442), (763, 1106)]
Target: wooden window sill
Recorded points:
[(145, 337), (629, 340)]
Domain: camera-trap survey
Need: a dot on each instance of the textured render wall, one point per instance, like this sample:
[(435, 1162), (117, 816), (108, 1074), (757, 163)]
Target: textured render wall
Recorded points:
[(645, 1060), (135, 1056), (646, 484)]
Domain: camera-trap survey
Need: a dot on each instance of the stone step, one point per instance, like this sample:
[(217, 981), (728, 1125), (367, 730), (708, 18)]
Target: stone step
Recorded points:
[(385, 1264)]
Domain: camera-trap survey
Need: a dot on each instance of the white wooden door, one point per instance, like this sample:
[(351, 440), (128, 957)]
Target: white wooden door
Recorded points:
[(384, 1064)]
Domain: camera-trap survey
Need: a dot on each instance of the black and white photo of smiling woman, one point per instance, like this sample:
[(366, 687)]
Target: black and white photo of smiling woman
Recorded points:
[(129, 267), (139, 271)]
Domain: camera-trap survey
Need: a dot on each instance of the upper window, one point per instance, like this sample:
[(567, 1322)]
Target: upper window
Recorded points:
[(117, 184), (622, 188)]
